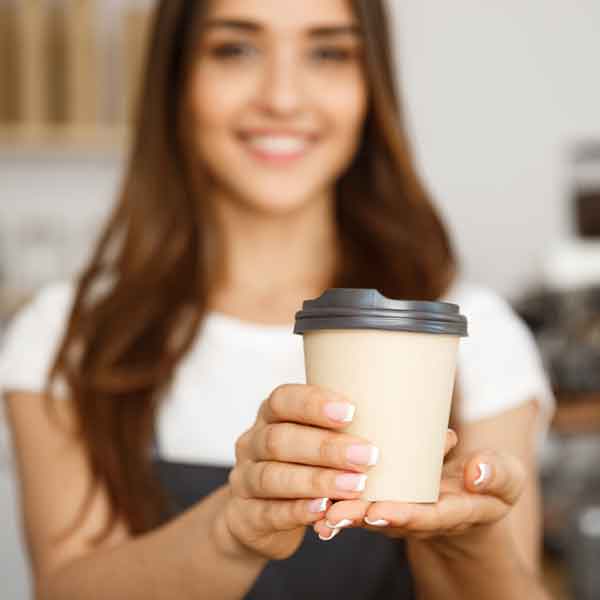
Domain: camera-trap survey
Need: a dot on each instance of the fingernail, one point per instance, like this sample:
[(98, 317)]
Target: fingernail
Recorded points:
[(351, 482), (331, 536), (340, 411), (360, 454), (377, 523), (342, 523), (484, 473), (318, 505)]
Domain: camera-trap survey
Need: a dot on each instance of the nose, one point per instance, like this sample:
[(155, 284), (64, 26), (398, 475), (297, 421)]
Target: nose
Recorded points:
[(281, 91)]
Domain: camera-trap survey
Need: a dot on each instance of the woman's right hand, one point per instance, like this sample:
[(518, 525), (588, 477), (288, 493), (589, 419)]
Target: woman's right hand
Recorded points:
[(289, 466)]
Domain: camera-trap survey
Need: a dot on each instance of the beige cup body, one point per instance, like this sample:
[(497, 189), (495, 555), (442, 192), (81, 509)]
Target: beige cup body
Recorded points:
[(401, 384)]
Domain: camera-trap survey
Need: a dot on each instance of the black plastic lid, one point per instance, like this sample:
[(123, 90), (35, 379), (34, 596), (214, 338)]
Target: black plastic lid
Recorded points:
[(357, 308)]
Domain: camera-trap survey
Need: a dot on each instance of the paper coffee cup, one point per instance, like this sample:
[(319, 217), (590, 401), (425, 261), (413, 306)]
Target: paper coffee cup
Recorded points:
[(395, 360)]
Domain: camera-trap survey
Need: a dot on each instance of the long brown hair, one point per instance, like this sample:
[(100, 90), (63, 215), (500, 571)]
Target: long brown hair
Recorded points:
[(140, 301)]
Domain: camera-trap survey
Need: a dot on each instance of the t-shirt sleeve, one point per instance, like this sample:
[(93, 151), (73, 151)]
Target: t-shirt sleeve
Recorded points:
[(28, 347), (29, 344), (499, 364)]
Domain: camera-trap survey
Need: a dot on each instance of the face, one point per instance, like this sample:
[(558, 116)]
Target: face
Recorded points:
[(277, 98)]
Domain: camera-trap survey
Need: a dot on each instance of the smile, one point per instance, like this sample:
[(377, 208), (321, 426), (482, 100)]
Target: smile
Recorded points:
[(277, 149)]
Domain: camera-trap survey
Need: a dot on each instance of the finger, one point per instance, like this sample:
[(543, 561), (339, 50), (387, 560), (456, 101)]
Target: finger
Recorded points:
[(293, 443), (450, 511), (265, 516), (285, 480), (325, 533), (498, 474), (346, 513), (451, 441), (307, 404)]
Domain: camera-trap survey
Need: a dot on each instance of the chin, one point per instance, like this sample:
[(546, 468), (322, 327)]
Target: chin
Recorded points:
[(269, 201)]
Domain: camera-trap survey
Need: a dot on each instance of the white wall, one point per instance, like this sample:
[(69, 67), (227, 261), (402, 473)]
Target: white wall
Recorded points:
[(496, 91), (14, 570), (60, 201)]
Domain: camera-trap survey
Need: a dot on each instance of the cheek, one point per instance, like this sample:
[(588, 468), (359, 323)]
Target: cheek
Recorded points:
[(214, 103), (347, 109)]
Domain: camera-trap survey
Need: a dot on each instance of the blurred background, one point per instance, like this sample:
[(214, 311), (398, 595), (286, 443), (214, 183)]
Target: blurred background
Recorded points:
[(503, 106)]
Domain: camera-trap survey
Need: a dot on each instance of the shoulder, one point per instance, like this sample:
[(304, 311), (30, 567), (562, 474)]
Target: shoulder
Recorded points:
[(54, 298), (499, 364), (32, 336), (488, 314), (478, 299), (46, 311)]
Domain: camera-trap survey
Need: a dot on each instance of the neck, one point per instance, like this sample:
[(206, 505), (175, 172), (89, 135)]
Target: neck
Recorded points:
[(269, 255)]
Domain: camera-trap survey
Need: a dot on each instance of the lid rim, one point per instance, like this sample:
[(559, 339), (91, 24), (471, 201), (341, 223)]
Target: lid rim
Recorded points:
[(377, 313), (356, 308), (398, 324)]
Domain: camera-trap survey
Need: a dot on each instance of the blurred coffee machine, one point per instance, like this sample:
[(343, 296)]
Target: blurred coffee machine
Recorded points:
[(564, 315), (575, 263)]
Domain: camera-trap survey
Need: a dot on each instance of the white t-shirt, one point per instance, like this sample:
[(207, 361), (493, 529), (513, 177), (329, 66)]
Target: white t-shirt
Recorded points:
[(233, 365)]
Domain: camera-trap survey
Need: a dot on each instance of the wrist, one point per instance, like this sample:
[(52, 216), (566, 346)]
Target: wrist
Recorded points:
[(486, 549), (482, 563)]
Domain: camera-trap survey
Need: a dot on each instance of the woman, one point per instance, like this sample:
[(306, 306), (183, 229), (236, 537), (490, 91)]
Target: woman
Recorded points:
[(183, 457)]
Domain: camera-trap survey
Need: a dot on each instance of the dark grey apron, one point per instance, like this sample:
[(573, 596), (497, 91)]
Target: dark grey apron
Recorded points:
[(356, 565)]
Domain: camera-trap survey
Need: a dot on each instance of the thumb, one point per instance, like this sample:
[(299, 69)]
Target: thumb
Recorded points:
[(496, 473)]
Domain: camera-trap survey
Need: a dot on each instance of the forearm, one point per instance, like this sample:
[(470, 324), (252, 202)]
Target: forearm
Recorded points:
[(488, 568), (188, 558)]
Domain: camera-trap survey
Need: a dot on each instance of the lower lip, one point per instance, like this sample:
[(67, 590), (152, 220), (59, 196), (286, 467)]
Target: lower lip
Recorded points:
[(278, 159)]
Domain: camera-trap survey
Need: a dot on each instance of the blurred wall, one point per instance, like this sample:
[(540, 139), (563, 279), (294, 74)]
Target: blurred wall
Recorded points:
[(58, 200), (496, 92)]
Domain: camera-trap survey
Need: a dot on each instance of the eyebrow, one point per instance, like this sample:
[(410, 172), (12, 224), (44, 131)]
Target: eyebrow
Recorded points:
[(254, 27), (328, 30)]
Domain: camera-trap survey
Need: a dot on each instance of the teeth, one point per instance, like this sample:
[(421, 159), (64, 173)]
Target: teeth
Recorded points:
[(278, 145)]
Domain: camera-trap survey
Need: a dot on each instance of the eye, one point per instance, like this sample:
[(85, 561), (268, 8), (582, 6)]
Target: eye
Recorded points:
[(233, 51), (334, 54)]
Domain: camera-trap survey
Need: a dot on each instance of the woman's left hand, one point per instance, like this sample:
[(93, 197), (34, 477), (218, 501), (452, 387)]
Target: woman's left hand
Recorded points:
[(479, 489)]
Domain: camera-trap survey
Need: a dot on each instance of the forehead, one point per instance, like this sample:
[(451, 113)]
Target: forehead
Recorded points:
[(285, 14)]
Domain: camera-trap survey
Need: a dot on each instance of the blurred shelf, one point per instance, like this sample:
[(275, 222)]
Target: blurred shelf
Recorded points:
[(22, 142), (577, 413)]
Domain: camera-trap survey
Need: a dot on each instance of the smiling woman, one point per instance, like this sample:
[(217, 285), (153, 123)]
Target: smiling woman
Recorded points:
[(283, 89), (270, 162)]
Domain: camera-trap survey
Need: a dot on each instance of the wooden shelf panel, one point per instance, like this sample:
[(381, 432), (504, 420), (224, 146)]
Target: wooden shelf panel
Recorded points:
[(53, 69), (20, 141)]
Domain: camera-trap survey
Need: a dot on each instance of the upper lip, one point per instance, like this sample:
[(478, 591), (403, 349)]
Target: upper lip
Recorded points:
[(277, 133)]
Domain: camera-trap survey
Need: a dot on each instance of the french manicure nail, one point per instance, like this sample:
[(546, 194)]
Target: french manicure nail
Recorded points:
[(377, 523), (351, 482), (484, 473), (340, 411), (331, 536), (318, 505), (342, 523), (360, 454)]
